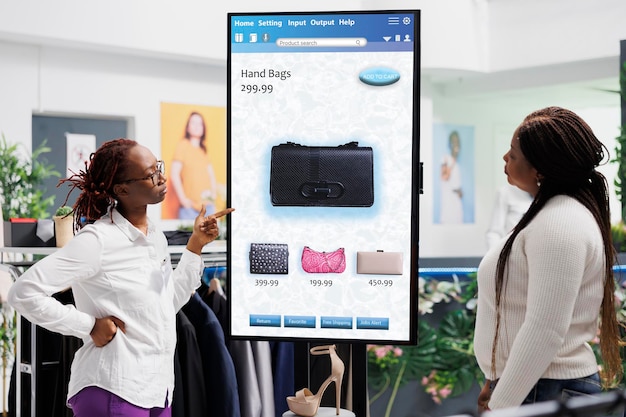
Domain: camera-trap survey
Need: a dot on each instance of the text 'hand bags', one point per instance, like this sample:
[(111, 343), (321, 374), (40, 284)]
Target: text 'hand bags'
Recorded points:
[(329, 176), (323, 262), (269, 258), (379, 262)]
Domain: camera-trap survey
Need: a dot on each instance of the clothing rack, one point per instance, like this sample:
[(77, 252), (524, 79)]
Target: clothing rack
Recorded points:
[(9, 274), (41, 368)]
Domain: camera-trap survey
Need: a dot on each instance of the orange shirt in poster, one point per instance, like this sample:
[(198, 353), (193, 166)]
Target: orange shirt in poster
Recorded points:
[(195, 176)]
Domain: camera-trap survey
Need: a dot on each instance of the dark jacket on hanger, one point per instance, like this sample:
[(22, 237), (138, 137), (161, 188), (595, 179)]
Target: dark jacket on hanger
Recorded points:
[(217, 364), (189, 398), (282, 367)]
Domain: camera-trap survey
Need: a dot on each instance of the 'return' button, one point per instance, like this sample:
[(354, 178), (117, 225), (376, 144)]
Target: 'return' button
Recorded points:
[(264, 320)]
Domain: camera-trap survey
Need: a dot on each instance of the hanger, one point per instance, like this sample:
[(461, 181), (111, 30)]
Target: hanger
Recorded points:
[(214, 284)]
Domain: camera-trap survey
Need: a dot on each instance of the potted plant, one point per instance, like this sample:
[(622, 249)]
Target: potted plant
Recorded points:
[(21, 193), (443, 361), (63, 225)]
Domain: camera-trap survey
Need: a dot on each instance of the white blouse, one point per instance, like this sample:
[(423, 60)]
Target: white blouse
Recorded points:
[(114, 270)]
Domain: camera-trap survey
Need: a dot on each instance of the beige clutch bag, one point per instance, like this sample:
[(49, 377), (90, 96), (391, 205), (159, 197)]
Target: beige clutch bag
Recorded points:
[(379, 262)]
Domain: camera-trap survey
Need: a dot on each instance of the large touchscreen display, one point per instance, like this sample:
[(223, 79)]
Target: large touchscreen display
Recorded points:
[(323, 157)]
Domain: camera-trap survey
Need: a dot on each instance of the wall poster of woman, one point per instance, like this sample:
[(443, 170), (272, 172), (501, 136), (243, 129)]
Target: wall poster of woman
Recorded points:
[(453, 162), (193, 145)]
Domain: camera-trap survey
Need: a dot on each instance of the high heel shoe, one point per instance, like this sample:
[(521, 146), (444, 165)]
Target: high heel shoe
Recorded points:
[(304, 403)]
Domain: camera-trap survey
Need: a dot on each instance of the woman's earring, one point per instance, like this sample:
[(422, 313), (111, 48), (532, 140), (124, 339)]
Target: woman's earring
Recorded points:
[(538, 182)]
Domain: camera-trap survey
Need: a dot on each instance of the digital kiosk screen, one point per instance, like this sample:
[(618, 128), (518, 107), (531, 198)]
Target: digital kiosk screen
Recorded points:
[(323, 171)]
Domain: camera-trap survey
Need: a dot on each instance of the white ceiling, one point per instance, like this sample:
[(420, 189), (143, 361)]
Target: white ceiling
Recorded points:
[(577, 85)]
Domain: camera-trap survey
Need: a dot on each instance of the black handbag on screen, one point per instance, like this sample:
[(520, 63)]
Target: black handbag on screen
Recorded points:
[(329, 176)]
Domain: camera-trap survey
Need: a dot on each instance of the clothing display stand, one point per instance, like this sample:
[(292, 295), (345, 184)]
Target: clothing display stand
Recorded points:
[(325, 412), (40, 375), (38, 387)]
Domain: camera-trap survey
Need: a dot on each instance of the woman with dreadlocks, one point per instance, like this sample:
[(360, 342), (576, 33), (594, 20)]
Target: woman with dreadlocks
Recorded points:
[(125, 290), (543, 288)]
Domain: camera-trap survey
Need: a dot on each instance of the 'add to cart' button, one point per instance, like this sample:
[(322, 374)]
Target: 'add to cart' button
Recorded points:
[(300, 321), (375, 323), (264, 320), (336, 322)]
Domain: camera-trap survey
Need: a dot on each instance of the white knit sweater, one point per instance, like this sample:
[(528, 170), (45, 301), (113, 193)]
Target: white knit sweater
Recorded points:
[(550, 306)]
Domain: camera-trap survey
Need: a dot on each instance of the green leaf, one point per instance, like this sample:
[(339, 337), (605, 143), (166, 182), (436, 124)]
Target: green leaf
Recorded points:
[(456, 324), (465, 380), (21, 192)]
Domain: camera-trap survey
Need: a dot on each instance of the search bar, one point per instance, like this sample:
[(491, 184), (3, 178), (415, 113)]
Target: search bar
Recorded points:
[(320, 42)]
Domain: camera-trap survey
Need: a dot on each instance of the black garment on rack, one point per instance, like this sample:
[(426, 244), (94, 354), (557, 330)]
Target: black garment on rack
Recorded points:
[(282, 352), (282, 369), (217, 364), (54, 353), (189, 398), (219, 305)]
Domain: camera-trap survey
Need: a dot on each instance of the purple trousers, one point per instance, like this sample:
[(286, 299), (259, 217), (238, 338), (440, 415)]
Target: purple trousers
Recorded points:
[(97, 402)]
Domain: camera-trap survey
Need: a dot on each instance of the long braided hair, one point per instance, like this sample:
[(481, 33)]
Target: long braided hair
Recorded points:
[(106, 167), (564, 150)]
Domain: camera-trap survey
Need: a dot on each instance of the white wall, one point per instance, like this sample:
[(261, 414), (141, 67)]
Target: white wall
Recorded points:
[(19, 88), (494, 122), (532, 33), (195, 30), (122, 58)]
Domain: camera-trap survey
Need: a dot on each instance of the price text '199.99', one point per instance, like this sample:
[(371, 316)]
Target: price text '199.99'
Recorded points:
[(321, 282)]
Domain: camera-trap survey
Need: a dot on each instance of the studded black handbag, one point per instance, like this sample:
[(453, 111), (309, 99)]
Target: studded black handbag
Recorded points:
[(269, 258), (332, 176)]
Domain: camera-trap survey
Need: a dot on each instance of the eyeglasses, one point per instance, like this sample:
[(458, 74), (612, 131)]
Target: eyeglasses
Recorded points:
[(160, 170)]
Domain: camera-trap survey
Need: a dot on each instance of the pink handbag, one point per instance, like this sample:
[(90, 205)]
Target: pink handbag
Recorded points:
[(323, 262)]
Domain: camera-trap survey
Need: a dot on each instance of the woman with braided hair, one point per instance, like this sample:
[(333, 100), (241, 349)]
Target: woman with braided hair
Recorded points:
[(125, 290), (543, 290)]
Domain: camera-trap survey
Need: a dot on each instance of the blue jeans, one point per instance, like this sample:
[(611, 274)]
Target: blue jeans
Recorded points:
[(562, 389)]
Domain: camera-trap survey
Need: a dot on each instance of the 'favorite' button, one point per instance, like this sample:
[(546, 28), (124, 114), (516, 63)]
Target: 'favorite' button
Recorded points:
[(300, 321)]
